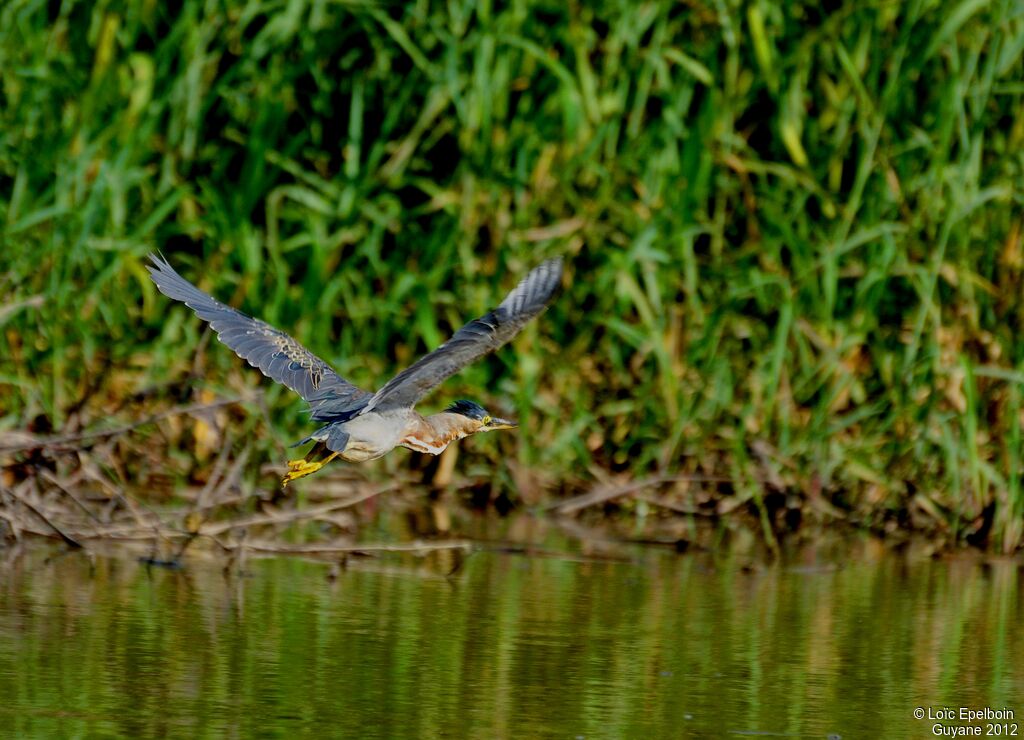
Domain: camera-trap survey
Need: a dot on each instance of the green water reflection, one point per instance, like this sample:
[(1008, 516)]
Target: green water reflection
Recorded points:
[(509, 647)]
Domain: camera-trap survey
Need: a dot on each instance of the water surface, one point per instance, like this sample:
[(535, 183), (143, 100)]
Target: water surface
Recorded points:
[(510, 646)]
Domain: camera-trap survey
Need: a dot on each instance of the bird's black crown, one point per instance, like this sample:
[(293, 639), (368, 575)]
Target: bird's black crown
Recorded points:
[(467, 408)]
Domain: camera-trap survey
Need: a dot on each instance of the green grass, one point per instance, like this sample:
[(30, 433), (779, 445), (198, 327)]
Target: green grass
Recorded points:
[(795, 238)]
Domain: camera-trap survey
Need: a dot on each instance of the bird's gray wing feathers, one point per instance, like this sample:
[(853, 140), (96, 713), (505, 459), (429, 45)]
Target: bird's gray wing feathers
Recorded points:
[(337, 438), (474, 340), (276, 354)]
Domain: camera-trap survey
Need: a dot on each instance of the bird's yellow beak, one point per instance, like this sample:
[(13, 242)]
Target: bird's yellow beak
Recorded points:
[(496, 423)]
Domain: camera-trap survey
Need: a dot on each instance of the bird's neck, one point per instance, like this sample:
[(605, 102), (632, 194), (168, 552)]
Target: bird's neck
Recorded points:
[(435, 432)]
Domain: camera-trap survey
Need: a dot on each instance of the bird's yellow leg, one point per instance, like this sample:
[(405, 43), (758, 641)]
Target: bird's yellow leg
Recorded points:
[(301, 468)]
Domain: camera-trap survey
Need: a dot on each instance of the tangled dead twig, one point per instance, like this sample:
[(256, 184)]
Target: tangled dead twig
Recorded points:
[(604, 492), (22, 441), (68, 539)]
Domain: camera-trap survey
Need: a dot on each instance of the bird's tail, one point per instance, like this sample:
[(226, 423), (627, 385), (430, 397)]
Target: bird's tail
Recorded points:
[(302, 441), (323, 434)]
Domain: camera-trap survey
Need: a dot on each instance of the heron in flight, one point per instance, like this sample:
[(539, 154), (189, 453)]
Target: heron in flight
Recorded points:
[(358, 425)]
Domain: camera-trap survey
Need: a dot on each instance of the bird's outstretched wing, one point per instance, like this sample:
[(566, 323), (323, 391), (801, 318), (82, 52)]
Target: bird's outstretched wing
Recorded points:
[(276, 354), (473, 341)]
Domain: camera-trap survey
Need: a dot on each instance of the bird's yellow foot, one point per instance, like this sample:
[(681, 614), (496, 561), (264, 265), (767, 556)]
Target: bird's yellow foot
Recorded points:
[(301, 468)]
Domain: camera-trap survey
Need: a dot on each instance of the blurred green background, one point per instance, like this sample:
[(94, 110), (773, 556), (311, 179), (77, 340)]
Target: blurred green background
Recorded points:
[(794, 232)]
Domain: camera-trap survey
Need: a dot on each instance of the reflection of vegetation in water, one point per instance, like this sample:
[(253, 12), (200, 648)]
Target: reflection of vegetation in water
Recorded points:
[(795, 258), (512, 647)]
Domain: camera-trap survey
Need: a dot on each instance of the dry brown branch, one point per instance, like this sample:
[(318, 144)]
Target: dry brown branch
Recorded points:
[(326, 548), (535, 551), (603, 492), (222, 480), (91, 471), (65, 443), (7, 514), (40, 515), (12, 308), (553, 231), (282, 517), (673, 507), (233, 501), (66, 490)]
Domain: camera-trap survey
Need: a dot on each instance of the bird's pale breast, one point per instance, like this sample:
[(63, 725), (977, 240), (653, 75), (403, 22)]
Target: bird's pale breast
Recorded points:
[(372, 435)]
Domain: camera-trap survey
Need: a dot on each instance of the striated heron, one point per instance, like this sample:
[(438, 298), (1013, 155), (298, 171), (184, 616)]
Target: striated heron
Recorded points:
[(359, 425)]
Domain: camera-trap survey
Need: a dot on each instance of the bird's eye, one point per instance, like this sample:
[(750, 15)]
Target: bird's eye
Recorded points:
[(486, 420)]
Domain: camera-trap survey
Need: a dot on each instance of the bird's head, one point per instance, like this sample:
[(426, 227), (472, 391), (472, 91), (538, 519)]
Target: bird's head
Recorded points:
[(477, 418)]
